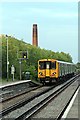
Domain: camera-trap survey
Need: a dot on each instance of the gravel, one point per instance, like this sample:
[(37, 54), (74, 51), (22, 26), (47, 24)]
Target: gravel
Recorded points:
[(53, 109)]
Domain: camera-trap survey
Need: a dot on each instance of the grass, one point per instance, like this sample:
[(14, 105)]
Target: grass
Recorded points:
[(4, 81)]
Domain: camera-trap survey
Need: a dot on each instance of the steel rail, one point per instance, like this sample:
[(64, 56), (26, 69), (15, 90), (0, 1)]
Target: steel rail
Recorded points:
[(21, 93), (13, 107), (23, 102), (37, 107)]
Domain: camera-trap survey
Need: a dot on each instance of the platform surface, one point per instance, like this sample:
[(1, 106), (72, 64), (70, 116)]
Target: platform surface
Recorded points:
[(13, 83), (74, 112)]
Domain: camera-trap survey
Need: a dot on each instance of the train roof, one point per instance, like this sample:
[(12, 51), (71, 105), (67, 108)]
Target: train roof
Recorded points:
[(57, 61), (65, 62), (47, 60)]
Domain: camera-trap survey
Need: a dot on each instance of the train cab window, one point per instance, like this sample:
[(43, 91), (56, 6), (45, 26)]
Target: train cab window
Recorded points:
[(53, 65), (41, 65)]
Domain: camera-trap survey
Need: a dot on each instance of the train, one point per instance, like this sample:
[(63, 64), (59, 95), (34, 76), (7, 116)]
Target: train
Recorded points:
[(52, 70)]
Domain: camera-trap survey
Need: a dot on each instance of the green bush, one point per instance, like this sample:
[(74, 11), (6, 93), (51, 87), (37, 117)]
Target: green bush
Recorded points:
[(15, 47)]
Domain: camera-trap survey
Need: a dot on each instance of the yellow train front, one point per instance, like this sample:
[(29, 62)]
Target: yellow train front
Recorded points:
[(52, 70), (47, 70)]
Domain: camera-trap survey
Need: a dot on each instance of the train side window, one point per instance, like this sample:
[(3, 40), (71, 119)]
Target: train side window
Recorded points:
[(53, 65)]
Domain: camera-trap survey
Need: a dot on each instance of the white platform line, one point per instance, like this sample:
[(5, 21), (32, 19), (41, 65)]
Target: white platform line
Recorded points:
[(70, 105)]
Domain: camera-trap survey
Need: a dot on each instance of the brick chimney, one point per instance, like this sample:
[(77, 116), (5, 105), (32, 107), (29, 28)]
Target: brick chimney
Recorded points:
[(35, 35)]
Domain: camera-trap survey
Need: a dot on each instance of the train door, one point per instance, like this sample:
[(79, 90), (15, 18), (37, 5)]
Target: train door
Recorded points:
[(48, 65)]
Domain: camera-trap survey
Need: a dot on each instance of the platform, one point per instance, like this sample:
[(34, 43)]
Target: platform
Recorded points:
[(73, 111), (13, 83)]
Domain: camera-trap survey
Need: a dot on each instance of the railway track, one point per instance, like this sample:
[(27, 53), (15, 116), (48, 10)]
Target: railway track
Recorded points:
[(56, 109), (36, 104), (20, 100), (8, 92)]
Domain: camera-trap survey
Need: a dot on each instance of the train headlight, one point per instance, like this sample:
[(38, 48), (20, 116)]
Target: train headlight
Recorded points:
[(53, 73), (40, 73)]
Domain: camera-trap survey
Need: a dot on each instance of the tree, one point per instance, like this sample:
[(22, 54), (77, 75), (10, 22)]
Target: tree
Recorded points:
[(34, 54)]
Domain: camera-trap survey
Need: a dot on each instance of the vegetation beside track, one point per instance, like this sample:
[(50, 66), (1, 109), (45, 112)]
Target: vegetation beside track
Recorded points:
[(4, 81), (34, 54)]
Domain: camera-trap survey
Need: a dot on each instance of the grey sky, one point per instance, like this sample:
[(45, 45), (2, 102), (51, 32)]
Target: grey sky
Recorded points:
[(57, 24)]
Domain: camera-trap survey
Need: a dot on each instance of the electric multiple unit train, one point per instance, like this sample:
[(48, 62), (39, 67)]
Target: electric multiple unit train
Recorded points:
[(52, 70)]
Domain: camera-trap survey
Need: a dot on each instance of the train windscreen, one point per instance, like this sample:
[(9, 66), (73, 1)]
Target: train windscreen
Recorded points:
[(41, 65), (53, 65), (47, 65)]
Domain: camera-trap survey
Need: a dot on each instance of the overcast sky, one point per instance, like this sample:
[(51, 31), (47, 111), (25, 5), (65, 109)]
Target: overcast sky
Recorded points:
[(57, 24)]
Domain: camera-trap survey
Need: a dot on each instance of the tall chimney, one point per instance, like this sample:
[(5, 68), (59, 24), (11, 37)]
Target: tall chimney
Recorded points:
[(35, 35)]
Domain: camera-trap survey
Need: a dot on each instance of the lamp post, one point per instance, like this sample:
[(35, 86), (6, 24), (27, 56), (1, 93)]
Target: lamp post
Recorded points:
[(20, 67), (7, 56)]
